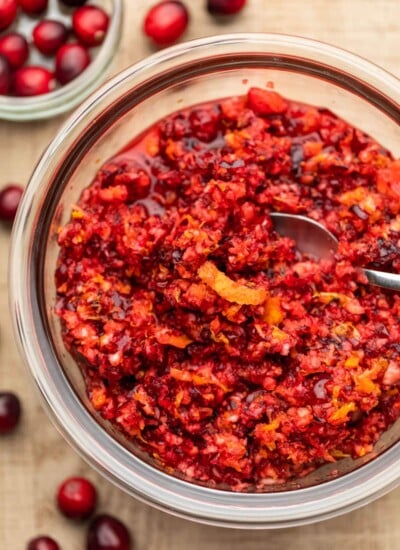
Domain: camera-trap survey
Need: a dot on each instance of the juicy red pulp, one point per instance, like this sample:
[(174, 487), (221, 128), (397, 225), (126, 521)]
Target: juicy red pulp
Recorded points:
[(205, 336)]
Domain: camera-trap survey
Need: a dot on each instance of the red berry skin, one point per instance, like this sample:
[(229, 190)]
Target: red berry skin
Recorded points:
[(33, 81), (166, 22), (90, 25), (225, 7), (15, 48), (77, 498), (10, 412), (33, 7), (71, 61), (8, 12), (10, 197), (108, 533), (5, 76), (49, 36), (42, 543)]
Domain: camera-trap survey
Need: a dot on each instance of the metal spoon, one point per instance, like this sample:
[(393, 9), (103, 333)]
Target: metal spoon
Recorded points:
[(313, 238)]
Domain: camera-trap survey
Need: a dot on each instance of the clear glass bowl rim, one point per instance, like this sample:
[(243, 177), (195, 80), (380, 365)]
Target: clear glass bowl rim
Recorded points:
[(267, 510)]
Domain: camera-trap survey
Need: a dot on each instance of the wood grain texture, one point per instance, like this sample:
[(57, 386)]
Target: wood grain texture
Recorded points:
[(35, 459)]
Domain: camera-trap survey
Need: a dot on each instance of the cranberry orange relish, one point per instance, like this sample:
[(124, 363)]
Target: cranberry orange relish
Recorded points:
[(205, 336)]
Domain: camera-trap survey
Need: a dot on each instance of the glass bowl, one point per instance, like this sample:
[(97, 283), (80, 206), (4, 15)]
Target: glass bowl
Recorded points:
[(190, 73), (67, 97)]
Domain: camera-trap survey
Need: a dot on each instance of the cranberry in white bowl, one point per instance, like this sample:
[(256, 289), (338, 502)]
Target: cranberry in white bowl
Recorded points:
[(54, 53)]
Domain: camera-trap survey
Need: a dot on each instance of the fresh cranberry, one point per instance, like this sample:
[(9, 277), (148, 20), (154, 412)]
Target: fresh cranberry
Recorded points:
[(77, 498), (5, 75), (10, 197), (73, 3), (43, 543), (71, 61), (8, 12), (15, 48), (225, 7), (49, 36), (32, 81), (90, 25), (10, 412), (166, 22), (33, 7), (108, 533)]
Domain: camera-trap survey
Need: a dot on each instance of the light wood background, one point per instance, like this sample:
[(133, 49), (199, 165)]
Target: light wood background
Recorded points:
[(35, 459)]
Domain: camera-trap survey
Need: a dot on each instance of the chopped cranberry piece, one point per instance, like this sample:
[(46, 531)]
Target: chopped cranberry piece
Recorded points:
[(77, 498), (8, 12), (108, 533), (71, 61), (32, 81), (43, 543), (5, 75), (33, 7), (90, 25), (266, 102), (10, 412), (225, 7), (15, 48), (166, 22), (49, 36), (10, 197)]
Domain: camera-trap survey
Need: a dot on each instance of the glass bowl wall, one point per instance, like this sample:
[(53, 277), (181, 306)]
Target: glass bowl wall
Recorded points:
[(198, 71)]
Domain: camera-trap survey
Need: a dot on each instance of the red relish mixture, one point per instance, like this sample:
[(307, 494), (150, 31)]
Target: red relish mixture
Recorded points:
[(203, 335)]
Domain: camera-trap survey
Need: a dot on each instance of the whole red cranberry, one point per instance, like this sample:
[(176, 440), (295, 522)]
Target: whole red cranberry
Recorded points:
[(42, 543), (10, 197), (34, 7), (8, 12), (73, 3), (5, 75), (71, 61), (77, 498), (90, 25), (15, 48), (49, 36), (225, 7), (166, 22), (33, 80), (108, 533), (10, 412)]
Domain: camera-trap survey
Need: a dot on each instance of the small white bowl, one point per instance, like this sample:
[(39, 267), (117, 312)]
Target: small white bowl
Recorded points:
[(69, 96)]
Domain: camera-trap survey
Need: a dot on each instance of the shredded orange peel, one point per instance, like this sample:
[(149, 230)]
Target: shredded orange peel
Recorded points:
[(228, 289), (166, 337)]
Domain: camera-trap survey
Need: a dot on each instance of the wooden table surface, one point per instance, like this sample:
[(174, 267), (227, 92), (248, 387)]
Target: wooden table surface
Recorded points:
[(35, 459)]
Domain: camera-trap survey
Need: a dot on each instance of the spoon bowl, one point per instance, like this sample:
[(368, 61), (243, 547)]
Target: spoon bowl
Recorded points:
[(313, 238)]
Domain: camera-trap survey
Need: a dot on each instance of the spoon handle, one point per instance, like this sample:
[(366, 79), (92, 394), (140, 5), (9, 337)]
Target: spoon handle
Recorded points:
[(383, 279)]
